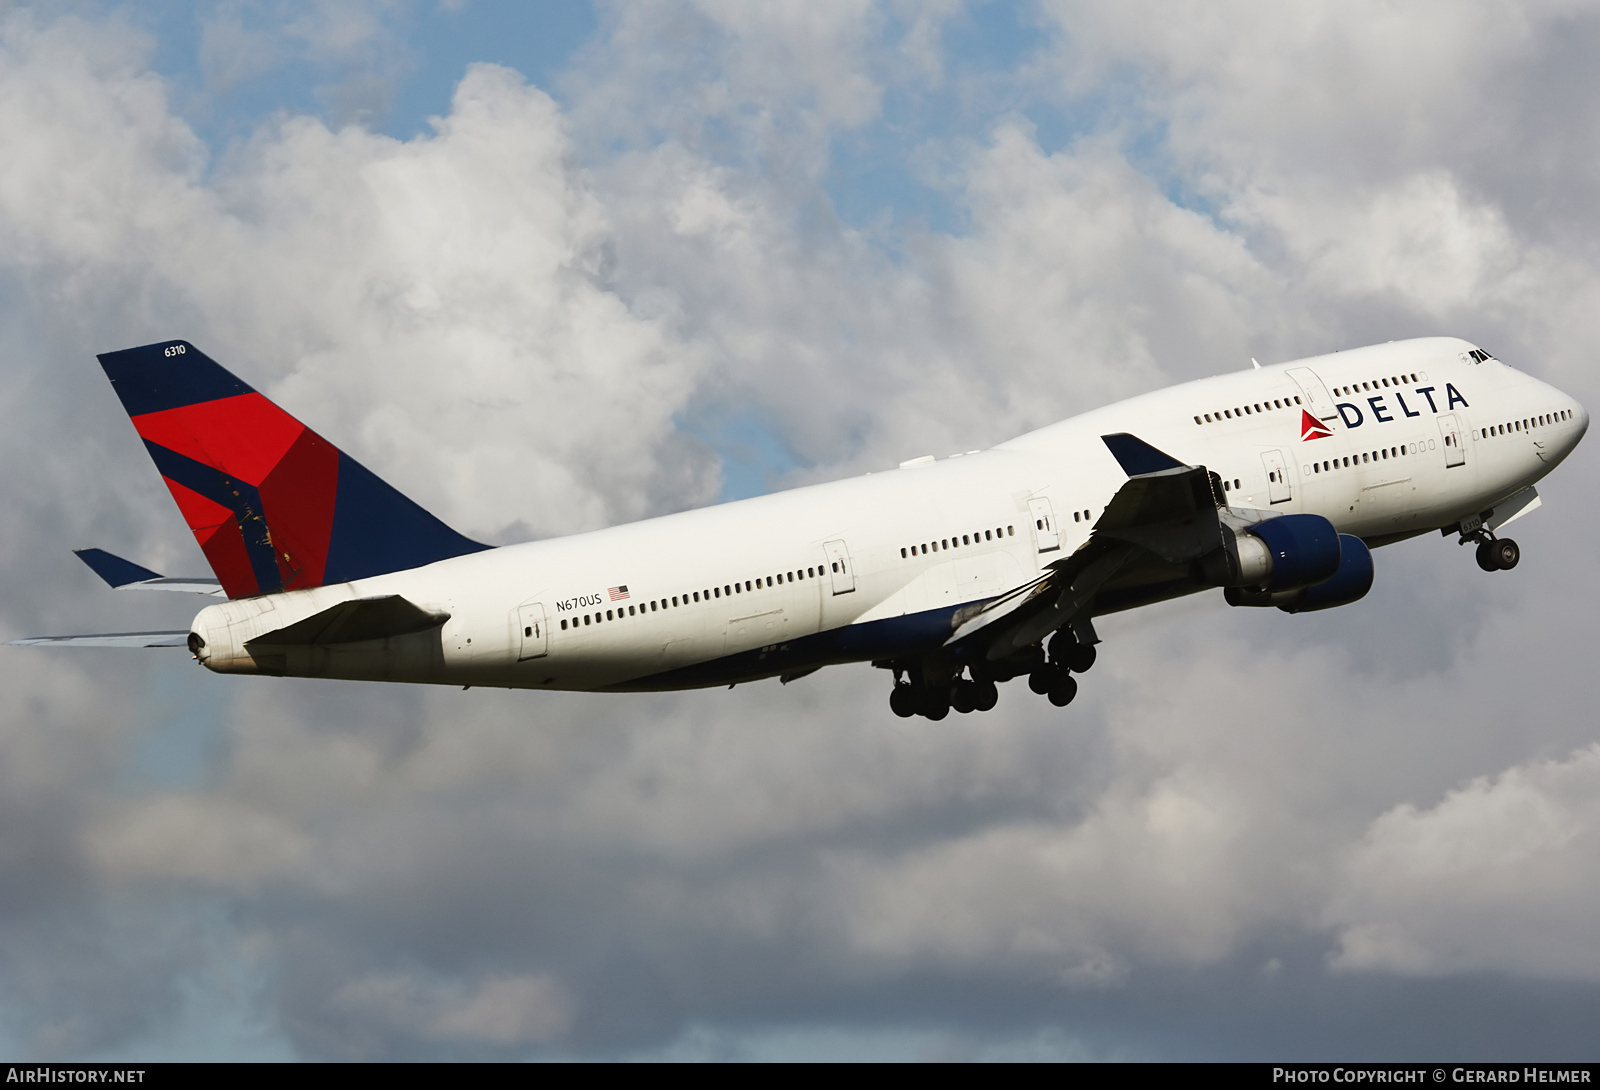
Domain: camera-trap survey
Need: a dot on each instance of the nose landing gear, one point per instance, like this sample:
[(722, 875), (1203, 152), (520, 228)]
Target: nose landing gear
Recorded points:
[(1493, 553), (1498, 554)]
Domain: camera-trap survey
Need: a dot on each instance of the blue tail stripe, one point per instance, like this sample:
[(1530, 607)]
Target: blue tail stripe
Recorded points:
[(242, 499), (148, 380), (377, 530)]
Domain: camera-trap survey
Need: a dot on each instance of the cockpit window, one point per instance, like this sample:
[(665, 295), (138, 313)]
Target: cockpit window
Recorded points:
[(1478, 355)]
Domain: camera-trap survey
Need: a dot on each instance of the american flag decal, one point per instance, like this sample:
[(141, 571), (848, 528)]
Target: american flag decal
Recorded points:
[(618, 593)]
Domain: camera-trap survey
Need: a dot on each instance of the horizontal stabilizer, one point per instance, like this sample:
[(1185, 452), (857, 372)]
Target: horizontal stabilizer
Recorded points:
[(1135, 456), (126, 575), (354, 621), (108, 639)]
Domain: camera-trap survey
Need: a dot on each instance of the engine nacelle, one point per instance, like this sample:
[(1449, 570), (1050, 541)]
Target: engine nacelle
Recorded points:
[(1281, 554), (1350, 581)]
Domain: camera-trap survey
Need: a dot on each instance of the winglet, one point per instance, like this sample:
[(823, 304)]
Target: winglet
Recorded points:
[(1136, 456), (116, 571)]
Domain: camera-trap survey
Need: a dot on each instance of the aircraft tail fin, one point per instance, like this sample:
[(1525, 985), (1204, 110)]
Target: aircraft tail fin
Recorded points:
[(273, 505)]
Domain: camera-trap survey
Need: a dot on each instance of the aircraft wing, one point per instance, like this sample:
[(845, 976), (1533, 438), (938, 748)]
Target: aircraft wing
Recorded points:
[(123, 574), (1152, 531), (108, 639)]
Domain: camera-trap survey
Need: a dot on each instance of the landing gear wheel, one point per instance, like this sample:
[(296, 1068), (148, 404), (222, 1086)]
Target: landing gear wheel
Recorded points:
[(961, 697), (1064, 689), (984, 695), (1486, 557), (936, 708), (1041, 679), (1505, 553), (903, 701), (1069, 654)]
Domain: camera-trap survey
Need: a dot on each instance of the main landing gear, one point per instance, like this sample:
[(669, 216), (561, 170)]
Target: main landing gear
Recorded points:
[(921, 694), (1493, 553)]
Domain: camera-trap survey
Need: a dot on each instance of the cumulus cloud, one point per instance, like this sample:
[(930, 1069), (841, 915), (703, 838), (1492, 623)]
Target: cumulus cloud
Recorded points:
[(1499, 875)]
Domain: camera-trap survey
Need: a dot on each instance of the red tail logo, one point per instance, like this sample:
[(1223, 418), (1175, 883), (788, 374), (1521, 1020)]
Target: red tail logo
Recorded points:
[(1312, 428)]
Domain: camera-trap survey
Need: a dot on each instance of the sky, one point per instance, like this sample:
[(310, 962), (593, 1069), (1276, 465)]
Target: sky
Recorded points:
[(550, 267)]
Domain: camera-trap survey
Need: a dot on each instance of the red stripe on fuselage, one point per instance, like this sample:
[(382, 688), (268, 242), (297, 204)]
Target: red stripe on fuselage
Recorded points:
[(244, 436)]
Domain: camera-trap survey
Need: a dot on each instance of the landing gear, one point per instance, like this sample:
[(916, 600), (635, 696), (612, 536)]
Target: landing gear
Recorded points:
[(1056, 682), (933, 688), (1493, 553), (974, 696), (1070, 653), (907, 699), (1505, 553)]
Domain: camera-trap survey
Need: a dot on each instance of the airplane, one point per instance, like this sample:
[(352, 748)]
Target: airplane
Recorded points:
[(1272, 485)]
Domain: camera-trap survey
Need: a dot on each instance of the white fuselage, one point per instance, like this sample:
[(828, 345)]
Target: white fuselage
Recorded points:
[(874, 567)]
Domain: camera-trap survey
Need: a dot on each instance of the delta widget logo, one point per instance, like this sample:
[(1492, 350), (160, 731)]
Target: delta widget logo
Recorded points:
[(1312, 428)]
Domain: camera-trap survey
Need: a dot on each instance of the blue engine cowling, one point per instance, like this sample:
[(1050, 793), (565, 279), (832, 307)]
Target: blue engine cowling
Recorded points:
[(1350, 580), (1349, 584), (1305, 550)]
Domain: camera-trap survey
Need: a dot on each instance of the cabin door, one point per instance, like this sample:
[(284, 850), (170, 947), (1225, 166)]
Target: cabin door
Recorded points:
[(844, 576), (1454, 453), (1044, 525), (1318, 401), (1279, 489), (530, 633)]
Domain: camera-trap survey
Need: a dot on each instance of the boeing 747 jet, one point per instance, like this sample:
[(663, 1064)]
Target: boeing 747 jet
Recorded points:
[(954, 575)]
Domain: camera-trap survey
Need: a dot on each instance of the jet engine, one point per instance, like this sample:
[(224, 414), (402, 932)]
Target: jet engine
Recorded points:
[(1295, 562)]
